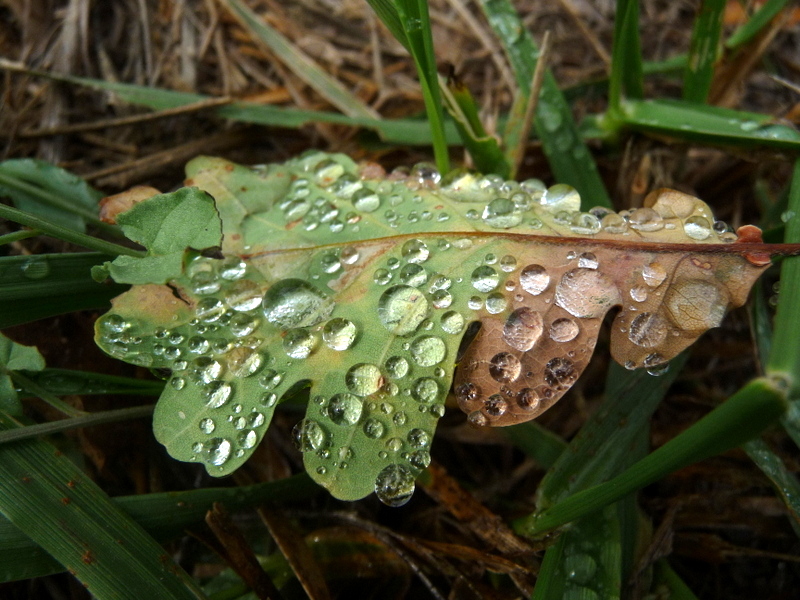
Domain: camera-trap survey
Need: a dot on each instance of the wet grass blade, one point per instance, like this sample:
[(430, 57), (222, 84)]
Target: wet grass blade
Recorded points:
[(736, 421), (626, 79), (783, 480), (569, 158), (703, 51), (163, 515), (62, 382), (756, 23), (54, 503), (299, 63), (708, 124), (45, 285)]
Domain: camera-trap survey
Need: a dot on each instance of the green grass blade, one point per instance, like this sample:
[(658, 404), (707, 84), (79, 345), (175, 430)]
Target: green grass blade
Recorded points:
[(387, 13), (162, 515), (53, 502), (756, 23), (541, 444), (703, 51), (740, 418), (63, 382), (708, 124), (299, 63), (44, 285), (416, 22), (783, 480), (678, 590), (626, 79), (569, 158)]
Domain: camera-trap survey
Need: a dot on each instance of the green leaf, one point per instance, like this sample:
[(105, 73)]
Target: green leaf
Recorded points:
[(360, 286), (15, 357), (626, 79), (166, 225), (703, 51), (49, 192)]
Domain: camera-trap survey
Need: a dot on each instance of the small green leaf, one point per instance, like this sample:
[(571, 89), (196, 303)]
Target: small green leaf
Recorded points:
[(166, 225), (15, 357)]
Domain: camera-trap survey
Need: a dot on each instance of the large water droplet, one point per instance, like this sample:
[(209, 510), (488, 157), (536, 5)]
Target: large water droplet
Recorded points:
[(695, 305), (114, 323), (295, 303), (206, 369), (502, 213), (339, 334), (309, 436), (36, 267), (428, 351), (397, 367), (418, 438), (496, 303), (415, 251), (484, 279), (394, 485), (523, 328), (345, 409), (534, 279), (585, 224), (560, 373), (363, 379), (452, 322), (425, 390), (413, 275), (217, 451), (639, 293), (209, 310), (365, 200), (697, 228), (645, 219), (374, 429), (217, 393), (564, 330), (586, 293), (648, 330), (207, 426), (402, 308), (242, 325), (299, 343), (243, 361), (505, 367), (561, 197), (233, 268), (654, 274), (247, 439)]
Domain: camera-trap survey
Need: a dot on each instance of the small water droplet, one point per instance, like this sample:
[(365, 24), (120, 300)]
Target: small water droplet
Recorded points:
[(580, 568), (585, 224), (36, 267), (217, 451), (365, 200), (496, 303), (206, 369), (697, 228), (309, 436), (484, 279), (397, 367), (495, 406), (528, 399), (564, 330), (345, 409), (415, 251), (587, 260), (207, 426), (654, 274), (244, 361), (645, 219), (561, 197), (452, 322), (639, 293), (502, 213), (428, 351), (534, 279), (413, 275), (505, 367), (233, 268), (177, 383), (363, 379), (560, 373), (270, 379), (242, 325), (339, 334), (586, 294), (425, 390), (209, 310), (295, 303), (299, 343), (217, 393), (614, 223), (374, 429)]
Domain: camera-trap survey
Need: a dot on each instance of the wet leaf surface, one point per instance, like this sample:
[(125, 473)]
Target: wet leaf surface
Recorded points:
[(363, 283)]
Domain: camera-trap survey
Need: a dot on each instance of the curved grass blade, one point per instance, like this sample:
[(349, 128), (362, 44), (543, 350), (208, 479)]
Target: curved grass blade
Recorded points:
[(703, 51), (163, 515), (15, 357), (51, 500), (626, 78), (45, 285), (569, 158), (756, 23)]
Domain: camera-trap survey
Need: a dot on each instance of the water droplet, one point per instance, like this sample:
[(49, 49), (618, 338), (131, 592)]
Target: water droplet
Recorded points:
[(363, 379), (586, 294), (654, 274), (655, 364), (639, 293), (35, 267), (697, 228), (217, 451), (205, 283), (114, 323), (418, 438), (477, 419), (528, 399), (394, 485), (217, 393), (374, 429), (420, 459), (587, 260), (270, 379), (425, 390), (415, 251), (648, 330), (397, 367), (452, 322), (399, 419), (309, 436), (402, 308), (382, 276), (233, 268), (177, 383), (580, 568), (299, 343), (645, 219), (327, 171), (561, 197), (614, 223), (329, 262), (495, 406), (484, 279), (345, 409), (413, 275), (242, 325), (269, 399), (523, 328), (564, 330), (534, 279), (560, 373), (441, 299), (502, 213), (243, 361), (428, 351), (505, 367), (339, 334), (256, 419), (695, 305), (198, 345), (209, 310), (295, 303), (207, 426), (585, 224), (247, 439), (206, 369), (496, 303), (467, 394), (365, 200)]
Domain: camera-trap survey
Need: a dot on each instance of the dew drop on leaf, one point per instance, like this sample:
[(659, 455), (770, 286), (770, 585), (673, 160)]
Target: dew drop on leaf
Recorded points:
[(484, 279), (415, 251), (339, 334), (243, 361), (502, 213), (207, 426), (697, 228), (587, 260), (496, 303), (233, 268), (562, 197), (270, 379), (217, 393), (402, 308), (295, 303), (505, 367), (654, 274), (198, 345), (374, 429), (309, 436), (495, 405), (299, 343), (528, 399), (394, 485), (560, 373), (413, 275), (428, 351), (418, 438), (523, 328), (645, 219), (345, 409), (639, 293), (206, 369), (420, 459), (242, 325), (648, 330), (695, 305), (534, 279), (586, 294), (452, 322), (247, 439), (217, 451), (363, 379), (425, 390), (564, 330), (397, 367)]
